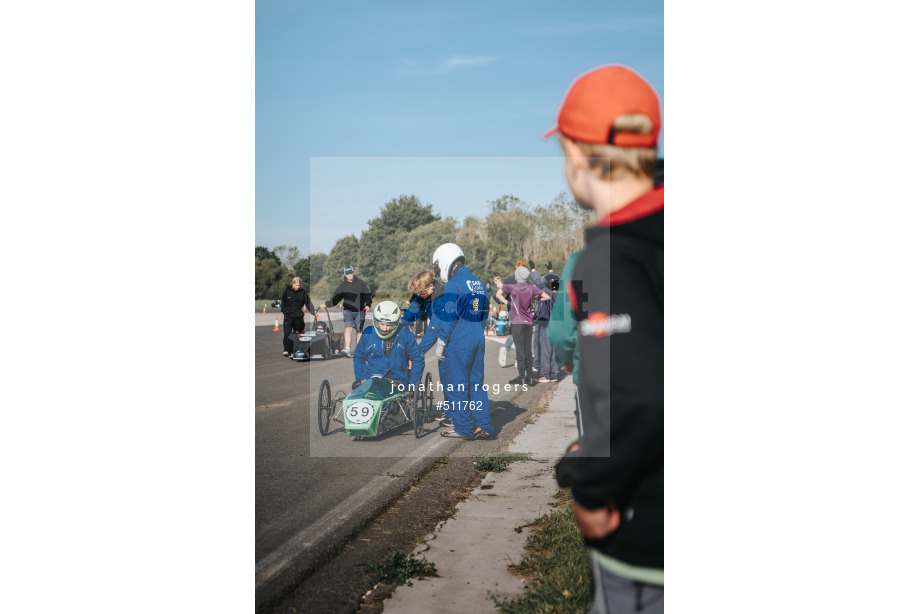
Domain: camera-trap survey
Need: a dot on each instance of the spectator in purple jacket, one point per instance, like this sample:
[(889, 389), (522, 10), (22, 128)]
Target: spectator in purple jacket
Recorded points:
[(520, 296)]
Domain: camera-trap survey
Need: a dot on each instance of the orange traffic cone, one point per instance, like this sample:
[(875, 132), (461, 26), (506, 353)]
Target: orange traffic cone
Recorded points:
[(263, 308), (276, 329)]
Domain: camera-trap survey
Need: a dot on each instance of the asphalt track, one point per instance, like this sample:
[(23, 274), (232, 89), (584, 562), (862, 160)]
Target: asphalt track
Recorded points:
[(313, 491)]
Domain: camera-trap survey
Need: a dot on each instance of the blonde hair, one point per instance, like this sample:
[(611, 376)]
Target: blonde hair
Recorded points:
[(618, 162), (420, 281), (297, 280)]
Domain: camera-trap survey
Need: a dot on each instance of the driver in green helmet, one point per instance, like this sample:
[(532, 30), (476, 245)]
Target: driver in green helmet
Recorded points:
[(387, 349)]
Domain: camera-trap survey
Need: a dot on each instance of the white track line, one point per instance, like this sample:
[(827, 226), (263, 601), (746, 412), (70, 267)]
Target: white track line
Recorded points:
[(282, 556)]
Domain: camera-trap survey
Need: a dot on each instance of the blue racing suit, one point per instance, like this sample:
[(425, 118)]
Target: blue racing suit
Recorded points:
[(370, 358), (433, 306), (462, 327)]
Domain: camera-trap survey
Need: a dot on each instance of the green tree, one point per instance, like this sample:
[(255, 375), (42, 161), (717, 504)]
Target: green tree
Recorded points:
[(472, 239), (302, 270), (414, 254), (270, 279), (385, 236), (263, 252), (405, 213), (378, 254), (506, 203), (309, 269), (317, 262), (509, 230), (559, 230)]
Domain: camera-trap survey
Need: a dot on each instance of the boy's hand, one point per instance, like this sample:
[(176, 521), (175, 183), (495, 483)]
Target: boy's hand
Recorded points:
[(532, 267), (599, 523), (549, 265), (498, 282)]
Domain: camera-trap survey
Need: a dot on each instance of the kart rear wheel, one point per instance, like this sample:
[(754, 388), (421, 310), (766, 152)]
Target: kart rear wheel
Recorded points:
[(326, 352), (324, 411), (429, 399), (418, 415)]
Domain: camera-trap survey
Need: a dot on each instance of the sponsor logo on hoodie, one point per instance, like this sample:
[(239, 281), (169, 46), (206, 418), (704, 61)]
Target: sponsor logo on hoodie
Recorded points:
[(600, 324)]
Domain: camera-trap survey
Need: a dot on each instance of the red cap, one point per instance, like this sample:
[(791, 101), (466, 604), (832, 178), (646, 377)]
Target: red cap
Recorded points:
[(597, 98)]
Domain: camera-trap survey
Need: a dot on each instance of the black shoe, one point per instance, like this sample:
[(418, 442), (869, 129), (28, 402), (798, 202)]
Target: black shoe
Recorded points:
[(518, 380), (529, 381)]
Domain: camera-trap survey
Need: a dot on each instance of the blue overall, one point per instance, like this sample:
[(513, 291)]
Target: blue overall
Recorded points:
[(462, 326), (433, 307), (370, 360)]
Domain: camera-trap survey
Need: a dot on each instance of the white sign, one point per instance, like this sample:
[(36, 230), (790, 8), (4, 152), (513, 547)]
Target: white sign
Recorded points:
[(359, 413)]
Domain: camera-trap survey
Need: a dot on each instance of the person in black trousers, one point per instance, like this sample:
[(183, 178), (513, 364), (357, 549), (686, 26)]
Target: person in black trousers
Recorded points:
[(293, 300)]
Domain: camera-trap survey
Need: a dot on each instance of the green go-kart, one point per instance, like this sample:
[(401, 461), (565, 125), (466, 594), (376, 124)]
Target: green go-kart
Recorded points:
[(376, 406)]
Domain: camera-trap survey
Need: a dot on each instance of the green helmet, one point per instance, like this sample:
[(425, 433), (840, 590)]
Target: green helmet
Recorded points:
[(386, 312)]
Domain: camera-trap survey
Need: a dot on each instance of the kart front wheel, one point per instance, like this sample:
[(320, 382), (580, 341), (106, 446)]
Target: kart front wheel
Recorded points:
[(418, 415), (324, 411)]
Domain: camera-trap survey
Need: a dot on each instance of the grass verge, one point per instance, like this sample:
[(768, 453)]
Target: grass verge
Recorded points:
[(556, 565)]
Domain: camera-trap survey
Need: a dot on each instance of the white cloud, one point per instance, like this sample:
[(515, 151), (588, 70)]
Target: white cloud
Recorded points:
[(457, 62), (411, 68)]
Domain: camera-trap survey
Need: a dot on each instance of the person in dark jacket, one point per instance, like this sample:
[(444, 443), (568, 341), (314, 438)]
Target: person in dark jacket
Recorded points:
[(609, 124), (543, 357), (293, 300), (356, 301)]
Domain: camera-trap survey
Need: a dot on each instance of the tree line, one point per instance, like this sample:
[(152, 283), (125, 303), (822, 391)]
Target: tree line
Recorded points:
[(399, 242)]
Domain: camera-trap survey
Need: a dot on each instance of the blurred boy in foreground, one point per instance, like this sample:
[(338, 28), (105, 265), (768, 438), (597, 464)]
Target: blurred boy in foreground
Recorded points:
[(608, 125)]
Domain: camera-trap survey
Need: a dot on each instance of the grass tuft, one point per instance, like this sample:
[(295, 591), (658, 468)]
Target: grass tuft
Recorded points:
[(499, 461), (399, 568)]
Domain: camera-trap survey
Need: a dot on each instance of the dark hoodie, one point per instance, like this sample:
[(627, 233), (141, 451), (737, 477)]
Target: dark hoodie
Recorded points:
[(355, 293), (293, 302), (617, 294)]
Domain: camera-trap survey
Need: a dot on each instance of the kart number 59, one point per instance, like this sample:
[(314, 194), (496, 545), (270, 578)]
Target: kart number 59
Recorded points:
[(359, 413)]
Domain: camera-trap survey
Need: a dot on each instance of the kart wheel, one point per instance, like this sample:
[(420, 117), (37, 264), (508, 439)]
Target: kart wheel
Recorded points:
[(326, 351), (324, 411), (418, 415), (429, 399)]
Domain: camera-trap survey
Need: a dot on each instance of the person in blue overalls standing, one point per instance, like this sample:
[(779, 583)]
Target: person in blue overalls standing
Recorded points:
[(461, 344)]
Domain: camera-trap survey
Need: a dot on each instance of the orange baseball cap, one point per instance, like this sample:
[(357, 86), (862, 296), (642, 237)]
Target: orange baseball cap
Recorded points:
[(598, 97)]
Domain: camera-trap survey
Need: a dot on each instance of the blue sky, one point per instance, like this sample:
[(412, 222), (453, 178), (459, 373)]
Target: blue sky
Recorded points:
[(353, 85)]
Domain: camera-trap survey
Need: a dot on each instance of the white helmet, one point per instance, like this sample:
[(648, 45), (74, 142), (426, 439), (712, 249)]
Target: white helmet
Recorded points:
[(446, 260), (386, 312)]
